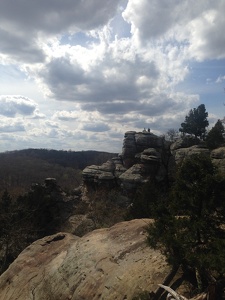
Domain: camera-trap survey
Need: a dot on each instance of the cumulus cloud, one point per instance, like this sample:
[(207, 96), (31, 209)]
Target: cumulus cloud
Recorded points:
[(24, 25), (106, 66), (20, 48), (12, 127), (55, 16), (125, 79), (66, 115), (96, 127), (154, 19), (111, 79), (11, 105), (197, 24)]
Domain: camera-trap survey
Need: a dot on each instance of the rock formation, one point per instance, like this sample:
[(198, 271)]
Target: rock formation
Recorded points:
[(112, 263), (143, 155), (218, 158)]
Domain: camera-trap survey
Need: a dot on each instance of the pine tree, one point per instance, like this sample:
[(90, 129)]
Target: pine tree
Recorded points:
[(190, 230), (196, 122), (215, 136)]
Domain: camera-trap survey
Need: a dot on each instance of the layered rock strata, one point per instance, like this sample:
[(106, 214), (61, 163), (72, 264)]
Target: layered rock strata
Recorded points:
[(141, 158), (145, 156)]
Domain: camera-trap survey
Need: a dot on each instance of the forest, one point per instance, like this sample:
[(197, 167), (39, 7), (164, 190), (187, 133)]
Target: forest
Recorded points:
[(19, 169)]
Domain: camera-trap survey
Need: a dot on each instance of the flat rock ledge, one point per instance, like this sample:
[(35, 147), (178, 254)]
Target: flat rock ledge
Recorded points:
[(110, 263)]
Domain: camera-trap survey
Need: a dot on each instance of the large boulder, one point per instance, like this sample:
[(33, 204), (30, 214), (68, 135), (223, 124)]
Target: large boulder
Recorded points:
[(100, 174), (184, 142), (182, 153), (111, 263), (133, 177)]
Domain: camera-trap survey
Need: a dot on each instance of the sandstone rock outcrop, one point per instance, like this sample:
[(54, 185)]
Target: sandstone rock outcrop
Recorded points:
[(145, 156), (182, 153), (142, 156), (137, 142), (112, 263), (100, 174), (184, 142), (218, 158)]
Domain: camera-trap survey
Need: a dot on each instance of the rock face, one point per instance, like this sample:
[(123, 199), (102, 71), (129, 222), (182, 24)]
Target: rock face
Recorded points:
[(113, 263), (145, 156), (137, 142), (142, 156), (182, 153), (218, 158), (103, 174)]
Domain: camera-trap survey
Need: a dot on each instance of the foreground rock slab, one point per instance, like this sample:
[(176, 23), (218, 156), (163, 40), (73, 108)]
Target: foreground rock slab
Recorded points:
[(111, 263)]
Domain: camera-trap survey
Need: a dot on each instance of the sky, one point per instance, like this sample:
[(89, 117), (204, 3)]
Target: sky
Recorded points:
[(77, 74)]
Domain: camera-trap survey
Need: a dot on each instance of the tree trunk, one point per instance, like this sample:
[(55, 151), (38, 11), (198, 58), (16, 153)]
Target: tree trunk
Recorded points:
[(157, 294)]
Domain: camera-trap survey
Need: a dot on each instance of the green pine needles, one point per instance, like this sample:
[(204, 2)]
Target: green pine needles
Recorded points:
[(190, 231)]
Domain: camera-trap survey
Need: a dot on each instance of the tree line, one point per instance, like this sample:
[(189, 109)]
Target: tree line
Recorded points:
[(19, 169)]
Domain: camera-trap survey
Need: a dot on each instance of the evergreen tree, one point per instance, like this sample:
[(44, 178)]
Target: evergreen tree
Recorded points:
[(215, 136), (190, 229), (196, 122)]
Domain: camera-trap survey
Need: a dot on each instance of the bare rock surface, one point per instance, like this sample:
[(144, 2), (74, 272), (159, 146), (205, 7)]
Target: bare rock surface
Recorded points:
[(184, 142), (218, 158), (133, 177), (182, 153), (137, 142), (111, 263), (78, 224)]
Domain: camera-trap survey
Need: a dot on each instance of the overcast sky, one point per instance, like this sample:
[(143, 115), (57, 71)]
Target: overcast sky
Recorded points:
[(78, 74)]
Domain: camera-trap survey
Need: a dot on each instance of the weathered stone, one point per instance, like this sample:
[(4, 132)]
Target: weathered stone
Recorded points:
[(150, 155), (78, 225), (147, 140), (133, 177), (218, 153), (181, 154), (145, 155), (113, 263), (137, 142), (98, 174), (218, 158), (184, 142)]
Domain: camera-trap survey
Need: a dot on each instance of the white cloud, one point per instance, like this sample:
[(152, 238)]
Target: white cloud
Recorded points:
[(198, 25), (15, 126), (96, 127), (66, 115), (11, 105), (25, 25), (103, 67), (220, 79)]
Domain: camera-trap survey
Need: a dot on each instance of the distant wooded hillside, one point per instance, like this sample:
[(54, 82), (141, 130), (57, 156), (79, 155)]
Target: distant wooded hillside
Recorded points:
[(19, 169)]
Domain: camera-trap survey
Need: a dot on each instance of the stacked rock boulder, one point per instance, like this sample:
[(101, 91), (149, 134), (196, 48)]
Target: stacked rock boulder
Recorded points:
[(145, 156), (142, 157)]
